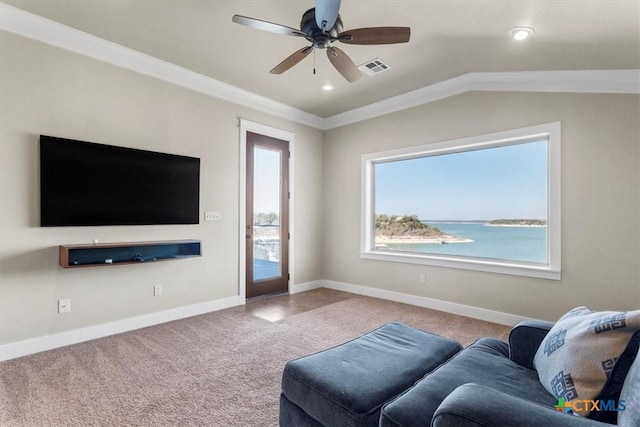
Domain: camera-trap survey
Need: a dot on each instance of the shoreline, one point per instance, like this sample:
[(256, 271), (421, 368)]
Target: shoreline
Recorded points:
[(514, 225), (445, 239)]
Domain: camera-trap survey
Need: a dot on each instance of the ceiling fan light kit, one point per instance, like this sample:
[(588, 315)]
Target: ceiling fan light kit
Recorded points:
[(322, 26)]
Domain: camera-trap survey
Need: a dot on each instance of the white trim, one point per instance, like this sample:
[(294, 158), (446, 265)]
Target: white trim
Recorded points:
[(554, 200), (249, 126), (296, 288), (292, 204), (26, 24), (47, 31), (266, 130), (579, 81), (435, 304), (242, 212), (48, 342), (551, 270), (513, 269), (425, 95)]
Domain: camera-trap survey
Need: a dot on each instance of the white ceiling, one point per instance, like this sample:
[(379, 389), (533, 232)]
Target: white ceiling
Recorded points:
[(448, 39)]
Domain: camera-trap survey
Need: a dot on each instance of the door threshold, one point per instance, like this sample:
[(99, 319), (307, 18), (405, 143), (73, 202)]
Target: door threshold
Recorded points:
[(261, 297)]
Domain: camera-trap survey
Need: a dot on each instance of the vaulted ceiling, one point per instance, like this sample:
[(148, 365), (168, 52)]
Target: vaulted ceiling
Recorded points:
[(448, 39)]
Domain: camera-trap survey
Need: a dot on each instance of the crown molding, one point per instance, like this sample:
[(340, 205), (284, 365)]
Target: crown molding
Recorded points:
[(577, 81), (47, 31), (35, 27)]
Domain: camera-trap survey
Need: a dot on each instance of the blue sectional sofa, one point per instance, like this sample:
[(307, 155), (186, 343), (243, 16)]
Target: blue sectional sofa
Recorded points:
[(489, 383)]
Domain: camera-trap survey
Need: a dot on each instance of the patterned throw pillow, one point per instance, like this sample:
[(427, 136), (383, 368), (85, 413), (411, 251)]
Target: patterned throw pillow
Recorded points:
[(577, 356)]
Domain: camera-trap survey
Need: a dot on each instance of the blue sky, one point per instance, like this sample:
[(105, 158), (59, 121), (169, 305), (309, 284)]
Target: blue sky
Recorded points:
[(266, 180), (504, 182)]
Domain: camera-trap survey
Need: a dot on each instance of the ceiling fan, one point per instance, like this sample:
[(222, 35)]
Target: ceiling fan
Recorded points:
[(322, 26)]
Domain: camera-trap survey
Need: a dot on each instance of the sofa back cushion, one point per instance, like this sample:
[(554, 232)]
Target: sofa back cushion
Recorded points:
[(577, 357), (630, 395)]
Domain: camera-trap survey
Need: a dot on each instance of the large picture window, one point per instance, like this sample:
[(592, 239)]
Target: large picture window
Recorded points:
[(489, 203)]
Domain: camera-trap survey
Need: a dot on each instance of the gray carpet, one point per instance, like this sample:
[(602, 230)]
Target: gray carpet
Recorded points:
[(218, 369)]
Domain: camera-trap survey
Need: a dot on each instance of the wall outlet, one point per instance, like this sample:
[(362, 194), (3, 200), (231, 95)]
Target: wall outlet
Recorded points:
[(64, 305), (212, 216), (157, 290), (423, 278)]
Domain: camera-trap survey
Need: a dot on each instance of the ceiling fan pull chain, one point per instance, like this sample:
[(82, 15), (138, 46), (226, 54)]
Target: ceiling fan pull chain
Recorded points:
[(314, 62)]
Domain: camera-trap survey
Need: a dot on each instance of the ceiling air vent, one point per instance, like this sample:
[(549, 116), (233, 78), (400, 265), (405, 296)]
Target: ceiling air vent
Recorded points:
[(373, 67)]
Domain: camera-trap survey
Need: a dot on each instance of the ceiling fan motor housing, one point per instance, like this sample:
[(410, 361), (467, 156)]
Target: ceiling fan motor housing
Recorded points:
[(321, 39)]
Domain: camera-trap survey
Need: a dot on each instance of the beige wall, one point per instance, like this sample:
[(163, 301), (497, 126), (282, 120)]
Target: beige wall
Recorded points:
[(600, 201), (46, 90)]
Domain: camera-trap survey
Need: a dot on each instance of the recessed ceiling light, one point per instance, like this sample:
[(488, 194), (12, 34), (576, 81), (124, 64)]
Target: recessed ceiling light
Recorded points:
[(521, 33), (328, 87)]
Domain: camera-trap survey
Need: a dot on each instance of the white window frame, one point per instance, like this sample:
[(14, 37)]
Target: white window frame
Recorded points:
[(552, 270)]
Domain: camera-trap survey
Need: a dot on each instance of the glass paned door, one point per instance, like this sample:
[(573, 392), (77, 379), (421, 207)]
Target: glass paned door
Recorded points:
[(267, 215)]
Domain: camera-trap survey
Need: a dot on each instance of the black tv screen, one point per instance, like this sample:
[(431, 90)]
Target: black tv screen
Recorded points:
[(83, 183)]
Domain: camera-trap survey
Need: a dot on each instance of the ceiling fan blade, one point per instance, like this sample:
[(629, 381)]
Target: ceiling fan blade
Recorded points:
[(376, 35), (292, 60), (267, 26), (343, 64), (327, 13)]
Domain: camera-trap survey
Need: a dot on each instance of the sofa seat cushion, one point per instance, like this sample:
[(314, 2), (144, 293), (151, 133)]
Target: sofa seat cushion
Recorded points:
[(486, 362), (348, 384)]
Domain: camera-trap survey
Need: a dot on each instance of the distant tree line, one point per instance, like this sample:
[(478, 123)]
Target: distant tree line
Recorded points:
[(503, 221), (405, 225), (262, 218)]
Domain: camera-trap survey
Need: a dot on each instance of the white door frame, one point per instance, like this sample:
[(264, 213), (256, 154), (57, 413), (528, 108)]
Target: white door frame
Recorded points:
[(249, 126)]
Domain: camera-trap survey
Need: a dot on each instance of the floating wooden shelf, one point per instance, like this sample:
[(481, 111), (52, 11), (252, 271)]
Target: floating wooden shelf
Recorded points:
[(108, 254)]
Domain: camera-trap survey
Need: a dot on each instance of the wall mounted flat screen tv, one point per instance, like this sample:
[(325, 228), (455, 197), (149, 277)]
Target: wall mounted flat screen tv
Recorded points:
[(88, 184)]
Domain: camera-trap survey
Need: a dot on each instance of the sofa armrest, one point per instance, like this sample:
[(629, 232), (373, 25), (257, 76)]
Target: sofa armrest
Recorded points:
[(473, 405), (524, 340)]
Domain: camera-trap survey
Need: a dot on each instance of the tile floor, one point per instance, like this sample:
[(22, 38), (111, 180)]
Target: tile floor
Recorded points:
[(278, 307)]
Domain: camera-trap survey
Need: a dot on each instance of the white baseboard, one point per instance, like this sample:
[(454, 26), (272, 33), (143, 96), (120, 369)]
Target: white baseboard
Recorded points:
[(49, 342), (306, 286), (435, 304), (36, 345)]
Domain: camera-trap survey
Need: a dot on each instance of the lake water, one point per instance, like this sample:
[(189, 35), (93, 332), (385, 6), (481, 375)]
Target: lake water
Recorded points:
[(513, 243)]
